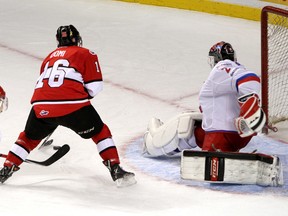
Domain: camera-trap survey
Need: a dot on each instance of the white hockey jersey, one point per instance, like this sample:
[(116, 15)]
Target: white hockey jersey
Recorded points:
[(227, 81)]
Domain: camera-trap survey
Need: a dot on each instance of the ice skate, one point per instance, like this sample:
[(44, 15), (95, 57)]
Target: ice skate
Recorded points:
[(6, 172), (120, 176)]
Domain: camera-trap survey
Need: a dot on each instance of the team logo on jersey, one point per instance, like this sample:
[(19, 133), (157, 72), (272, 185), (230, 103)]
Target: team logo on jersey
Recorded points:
[(44, 113)]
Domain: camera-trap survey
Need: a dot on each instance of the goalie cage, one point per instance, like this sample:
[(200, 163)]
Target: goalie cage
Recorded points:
[(274, 65), (231, 168)]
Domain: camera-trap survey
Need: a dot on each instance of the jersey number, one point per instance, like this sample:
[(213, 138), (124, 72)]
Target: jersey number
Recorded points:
[(55, 75)]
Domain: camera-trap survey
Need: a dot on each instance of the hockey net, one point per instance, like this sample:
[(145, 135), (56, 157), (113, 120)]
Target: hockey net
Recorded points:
[(274, 65)]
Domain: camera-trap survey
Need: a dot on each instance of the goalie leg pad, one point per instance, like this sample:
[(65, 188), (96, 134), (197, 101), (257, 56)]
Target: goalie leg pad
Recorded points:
[(233, 168), (152, 150), (163, 138), (186, 124)]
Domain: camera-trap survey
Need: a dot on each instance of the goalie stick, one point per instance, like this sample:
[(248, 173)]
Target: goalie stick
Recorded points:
[(55, 157)]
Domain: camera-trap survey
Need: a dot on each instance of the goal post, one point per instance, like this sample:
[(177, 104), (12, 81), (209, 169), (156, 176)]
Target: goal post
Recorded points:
[(274, 65)]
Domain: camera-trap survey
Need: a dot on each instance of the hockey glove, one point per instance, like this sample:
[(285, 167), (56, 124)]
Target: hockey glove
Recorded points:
[(252, 118)]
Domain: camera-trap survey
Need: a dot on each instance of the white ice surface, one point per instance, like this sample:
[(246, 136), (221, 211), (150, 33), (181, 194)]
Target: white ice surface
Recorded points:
[(154, 61)]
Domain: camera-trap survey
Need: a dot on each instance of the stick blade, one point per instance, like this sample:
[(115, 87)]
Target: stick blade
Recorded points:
[(55, 157)]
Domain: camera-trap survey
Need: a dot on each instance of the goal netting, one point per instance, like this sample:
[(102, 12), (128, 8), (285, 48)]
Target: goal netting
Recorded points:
[(274, 64)]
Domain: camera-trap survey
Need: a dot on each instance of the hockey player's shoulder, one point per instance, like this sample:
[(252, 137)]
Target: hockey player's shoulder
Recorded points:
[(224, 65), (86, 51), (228, 64), (230, 67)]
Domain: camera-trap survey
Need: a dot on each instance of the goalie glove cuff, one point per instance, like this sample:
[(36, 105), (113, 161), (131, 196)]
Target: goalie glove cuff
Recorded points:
[(242, 127), (251, 125)]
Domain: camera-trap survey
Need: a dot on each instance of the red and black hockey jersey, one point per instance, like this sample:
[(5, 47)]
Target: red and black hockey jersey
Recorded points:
[(69, 77)]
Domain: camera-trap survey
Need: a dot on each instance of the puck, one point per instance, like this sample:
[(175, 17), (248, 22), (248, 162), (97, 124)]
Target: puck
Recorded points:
[(56, 147)]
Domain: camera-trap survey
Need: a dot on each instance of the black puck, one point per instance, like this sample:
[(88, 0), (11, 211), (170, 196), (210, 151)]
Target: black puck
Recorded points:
[(56, 147)]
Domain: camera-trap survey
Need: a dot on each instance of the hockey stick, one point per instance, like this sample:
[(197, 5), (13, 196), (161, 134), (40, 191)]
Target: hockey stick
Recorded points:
[(55, 157), (46, 142)]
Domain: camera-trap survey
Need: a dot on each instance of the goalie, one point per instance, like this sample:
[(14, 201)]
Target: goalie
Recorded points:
[(230, 113)]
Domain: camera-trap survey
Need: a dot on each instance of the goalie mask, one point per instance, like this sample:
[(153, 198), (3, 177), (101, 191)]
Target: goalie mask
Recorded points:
[(68, 36), (219, 52)]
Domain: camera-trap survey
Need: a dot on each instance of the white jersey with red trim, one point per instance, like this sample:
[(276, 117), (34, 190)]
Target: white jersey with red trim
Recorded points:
[(69, 77), (227, 81)]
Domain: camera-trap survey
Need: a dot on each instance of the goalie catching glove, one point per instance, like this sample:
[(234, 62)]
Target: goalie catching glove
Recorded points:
[(252, 118)]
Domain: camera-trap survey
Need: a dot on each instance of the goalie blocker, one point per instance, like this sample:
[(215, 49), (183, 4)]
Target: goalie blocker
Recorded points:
[(233, 168)]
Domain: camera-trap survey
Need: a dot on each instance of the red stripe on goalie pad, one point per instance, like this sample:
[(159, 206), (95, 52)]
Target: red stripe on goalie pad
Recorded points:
[(214, 169)]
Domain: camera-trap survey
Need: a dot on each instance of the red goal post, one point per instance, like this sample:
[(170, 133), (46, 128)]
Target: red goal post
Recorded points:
[(274, 65)]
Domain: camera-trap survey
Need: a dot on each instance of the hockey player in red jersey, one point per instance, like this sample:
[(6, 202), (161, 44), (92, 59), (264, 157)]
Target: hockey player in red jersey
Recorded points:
[(230, 111), (69, 77)]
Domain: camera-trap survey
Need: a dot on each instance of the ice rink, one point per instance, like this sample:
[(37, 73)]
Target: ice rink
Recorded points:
[(154, 61)]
